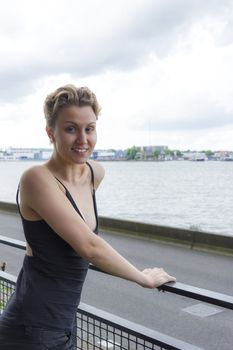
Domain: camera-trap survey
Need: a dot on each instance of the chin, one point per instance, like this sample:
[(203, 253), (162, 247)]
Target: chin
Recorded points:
[(81, 160)]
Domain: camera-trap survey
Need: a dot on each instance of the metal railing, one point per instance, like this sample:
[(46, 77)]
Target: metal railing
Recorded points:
[(97, 329), (178, 288)]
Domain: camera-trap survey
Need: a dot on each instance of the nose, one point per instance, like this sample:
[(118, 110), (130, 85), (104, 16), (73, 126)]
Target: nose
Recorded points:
[(82, 137)]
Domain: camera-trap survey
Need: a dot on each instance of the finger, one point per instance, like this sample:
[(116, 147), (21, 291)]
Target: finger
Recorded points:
[(146, 271), (172, 278)]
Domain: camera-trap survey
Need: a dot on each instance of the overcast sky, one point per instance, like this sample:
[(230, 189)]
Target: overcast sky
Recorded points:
[(161, 69)]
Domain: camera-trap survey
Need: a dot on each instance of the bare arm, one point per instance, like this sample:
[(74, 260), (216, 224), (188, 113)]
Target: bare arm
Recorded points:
[(40, 192)]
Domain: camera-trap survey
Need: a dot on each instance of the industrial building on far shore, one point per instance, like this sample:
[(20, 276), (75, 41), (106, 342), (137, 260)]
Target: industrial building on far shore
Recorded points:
[(150, 153)]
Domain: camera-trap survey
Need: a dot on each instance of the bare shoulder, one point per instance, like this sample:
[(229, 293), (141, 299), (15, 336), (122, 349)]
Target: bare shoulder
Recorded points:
[(98, 172), (34, 173), (35, 176), (36, 185)]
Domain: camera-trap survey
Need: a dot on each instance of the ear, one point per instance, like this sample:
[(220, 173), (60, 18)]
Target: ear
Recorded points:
[(50, 133)]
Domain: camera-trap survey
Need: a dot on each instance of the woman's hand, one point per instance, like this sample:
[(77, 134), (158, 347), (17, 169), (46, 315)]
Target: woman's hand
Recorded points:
[(153, 278)]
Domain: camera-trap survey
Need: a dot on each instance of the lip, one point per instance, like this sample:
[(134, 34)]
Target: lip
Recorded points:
[(79, 149)]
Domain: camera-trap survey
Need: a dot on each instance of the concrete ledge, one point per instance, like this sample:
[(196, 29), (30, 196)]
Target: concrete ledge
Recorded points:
[(148, 230), (9, 207), (185, 237), (214, 241), (192, 239)]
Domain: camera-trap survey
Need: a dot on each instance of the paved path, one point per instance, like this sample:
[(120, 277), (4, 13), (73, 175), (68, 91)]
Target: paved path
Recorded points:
[(163, 312)]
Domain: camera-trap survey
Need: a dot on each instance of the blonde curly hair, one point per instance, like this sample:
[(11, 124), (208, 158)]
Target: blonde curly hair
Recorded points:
[(66, 96)]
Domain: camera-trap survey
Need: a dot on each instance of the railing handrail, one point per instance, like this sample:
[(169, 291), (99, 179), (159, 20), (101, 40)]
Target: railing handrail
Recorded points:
[(5, 276), (205, 295), (13, 242), (192, 292), (137, 330)]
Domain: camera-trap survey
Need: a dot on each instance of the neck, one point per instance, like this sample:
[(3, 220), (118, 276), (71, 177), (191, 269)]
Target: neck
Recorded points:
[(69, 172)]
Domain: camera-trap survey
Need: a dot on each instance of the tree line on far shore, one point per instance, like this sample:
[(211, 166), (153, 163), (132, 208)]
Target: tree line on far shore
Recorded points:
[(132, 153)]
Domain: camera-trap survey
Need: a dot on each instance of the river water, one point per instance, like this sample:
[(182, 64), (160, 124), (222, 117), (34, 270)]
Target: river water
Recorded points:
[(184, 194)]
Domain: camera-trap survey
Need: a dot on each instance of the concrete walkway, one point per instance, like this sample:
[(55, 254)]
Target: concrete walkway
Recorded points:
[(207, 326)]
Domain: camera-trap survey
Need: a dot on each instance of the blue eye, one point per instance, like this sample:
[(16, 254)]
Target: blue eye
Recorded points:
[(89, 129), (71, 129)]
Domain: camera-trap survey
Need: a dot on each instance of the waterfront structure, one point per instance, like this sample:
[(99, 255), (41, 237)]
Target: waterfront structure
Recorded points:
[(111, 154), (196, 156), (224, 155), (13, 153), (149, 151), (104, 155), (199, 156), (140, 153)]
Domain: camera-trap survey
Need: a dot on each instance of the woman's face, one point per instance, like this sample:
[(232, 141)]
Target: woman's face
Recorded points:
[(74, 134)]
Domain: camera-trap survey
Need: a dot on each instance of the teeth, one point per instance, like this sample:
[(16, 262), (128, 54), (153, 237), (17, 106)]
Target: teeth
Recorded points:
[(82, 150)]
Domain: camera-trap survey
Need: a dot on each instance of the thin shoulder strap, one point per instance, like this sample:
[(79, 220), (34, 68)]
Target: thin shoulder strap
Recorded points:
[(62, 184), (94, 199), (92, 175), (17, 200), (71, 199)]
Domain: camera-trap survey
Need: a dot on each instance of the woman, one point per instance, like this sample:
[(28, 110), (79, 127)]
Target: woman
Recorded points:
[(59, 216)]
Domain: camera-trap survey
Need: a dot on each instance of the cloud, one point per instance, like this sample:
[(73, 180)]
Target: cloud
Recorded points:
[(164, 62), (42, 39), (203, 114)]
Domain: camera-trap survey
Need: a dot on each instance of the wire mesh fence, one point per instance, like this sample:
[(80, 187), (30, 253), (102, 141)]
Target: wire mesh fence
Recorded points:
[(93, 333), (6, 289), (97, 329)]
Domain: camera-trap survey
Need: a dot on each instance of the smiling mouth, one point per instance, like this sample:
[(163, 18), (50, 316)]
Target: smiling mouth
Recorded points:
[(80, 150)]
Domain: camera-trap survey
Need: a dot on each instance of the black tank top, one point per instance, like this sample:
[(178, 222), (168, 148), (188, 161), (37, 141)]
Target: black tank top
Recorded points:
[(49, 285)]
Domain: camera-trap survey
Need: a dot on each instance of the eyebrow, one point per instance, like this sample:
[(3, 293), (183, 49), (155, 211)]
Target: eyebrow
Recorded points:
[(71, 122)]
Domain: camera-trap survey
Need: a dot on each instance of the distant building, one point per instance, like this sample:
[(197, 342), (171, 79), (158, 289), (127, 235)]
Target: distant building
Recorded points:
[(13, 153), (223, 155), (104, 155), (197, 156), (119, 155), (149, 151), (46, 153)]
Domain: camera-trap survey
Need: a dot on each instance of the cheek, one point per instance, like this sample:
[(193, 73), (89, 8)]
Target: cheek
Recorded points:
[(94, 139), (63, 137)]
